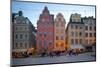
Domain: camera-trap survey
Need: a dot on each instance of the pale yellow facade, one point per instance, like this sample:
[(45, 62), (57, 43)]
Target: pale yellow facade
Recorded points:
[(59, 33)]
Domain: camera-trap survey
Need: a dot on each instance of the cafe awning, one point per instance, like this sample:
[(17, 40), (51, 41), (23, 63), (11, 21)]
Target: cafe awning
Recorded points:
[(77, 46)]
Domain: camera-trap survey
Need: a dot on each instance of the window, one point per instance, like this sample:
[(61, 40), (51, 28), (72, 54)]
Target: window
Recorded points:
[(57, 37), (56, 44), (21, 45), (50, 43), (90, 34), (86, 34), (62, 38), (76, 27), (25, 45), (25, 28), (45, 35), (62, 44), (25, 36), (72, 41), (16, 36), (76, 41), (21, 36), (90, 40), (86, 41), (76, 33), (80, 41), (86, 27), (90, 28), (80, 27), (72, 33), (80, 34)]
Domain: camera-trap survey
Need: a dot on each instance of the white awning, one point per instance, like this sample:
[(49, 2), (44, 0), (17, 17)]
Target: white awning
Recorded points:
[(19, 50), (77, 46)]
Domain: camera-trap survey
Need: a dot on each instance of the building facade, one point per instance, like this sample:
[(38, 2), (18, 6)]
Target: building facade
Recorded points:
[(90, 31), (75, 32), (23, 36), (45, 31), (59, 33)]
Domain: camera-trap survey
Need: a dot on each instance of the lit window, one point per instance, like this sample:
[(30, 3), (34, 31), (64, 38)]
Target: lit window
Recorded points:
[(62, 44)]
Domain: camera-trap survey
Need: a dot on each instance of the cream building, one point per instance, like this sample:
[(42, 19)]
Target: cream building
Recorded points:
[(59, 33), (75, 32)]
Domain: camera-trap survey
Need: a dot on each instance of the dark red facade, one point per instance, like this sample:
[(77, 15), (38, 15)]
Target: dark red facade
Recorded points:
[(45, 31)]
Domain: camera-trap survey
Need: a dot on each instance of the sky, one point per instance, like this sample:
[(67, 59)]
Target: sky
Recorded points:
[(32, 10)]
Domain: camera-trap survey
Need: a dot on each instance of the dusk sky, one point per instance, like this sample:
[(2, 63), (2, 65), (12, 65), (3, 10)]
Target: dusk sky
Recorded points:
[(32, 10)]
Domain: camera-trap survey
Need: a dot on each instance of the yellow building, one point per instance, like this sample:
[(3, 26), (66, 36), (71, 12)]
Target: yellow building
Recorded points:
[(59, 33)]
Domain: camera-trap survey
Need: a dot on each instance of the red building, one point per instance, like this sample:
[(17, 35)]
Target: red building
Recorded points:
[(45, 31)]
